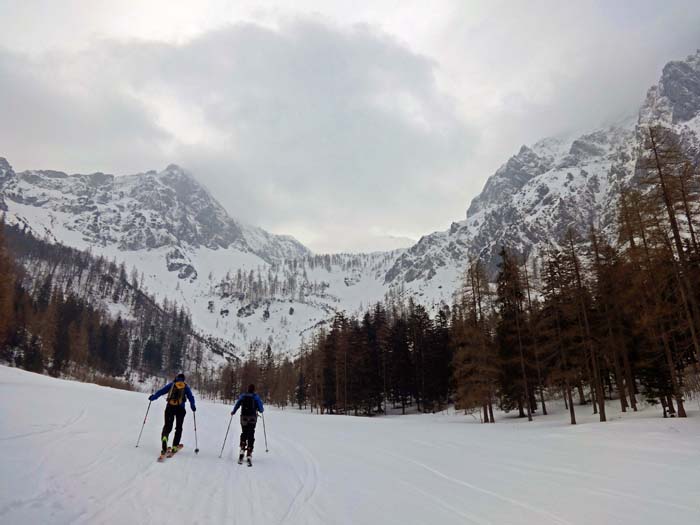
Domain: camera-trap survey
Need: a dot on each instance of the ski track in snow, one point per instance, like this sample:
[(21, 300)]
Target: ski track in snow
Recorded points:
[(52, 428), (69, 457), (553, 518), (308, 483)]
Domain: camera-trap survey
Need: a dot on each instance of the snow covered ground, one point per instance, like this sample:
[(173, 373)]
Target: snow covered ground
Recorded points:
[(69, 457)]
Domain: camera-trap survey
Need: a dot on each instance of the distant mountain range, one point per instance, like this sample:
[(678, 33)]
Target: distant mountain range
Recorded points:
[(244, 284)]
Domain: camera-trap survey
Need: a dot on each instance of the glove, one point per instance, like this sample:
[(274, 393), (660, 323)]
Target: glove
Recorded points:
[(194, 409), (152, 397), (232, 412)]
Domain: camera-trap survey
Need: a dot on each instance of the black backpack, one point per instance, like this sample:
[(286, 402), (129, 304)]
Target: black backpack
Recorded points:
[(248, 405)]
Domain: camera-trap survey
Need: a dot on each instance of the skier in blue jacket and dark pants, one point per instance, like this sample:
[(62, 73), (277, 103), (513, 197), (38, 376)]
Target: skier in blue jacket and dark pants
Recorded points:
[(174, 410), (250, 404)]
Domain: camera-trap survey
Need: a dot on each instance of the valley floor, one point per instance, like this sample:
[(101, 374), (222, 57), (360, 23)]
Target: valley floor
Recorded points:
[(68, 456)]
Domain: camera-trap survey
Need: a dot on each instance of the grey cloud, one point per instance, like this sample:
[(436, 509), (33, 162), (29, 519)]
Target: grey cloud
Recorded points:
[(557, 67), (314, 126), (324, 131), (317, 113), (48, 121)]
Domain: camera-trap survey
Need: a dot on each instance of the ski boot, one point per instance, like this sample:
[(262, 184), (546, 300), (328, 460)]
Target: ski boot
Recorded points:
[(164, 449)]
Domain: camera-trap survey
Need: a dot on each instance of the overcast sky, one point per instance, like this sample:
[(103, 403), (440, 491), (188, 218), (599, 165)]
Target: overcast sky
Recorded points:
[(349, 125)]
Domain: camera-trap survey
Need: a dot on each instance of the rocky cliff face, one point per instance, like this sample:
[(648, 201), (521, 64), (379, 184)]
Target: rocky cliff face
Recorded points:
[(6, 173), (556, 183), (531, 201)]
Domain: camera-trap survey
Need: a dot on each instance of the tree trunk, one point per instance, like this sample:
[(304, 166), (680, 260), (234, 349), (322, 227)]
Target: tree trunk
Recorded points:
[(572, 414), (669, 404), (688, 172), (522, 368), (674, 382), (619, 382), (581, 395), (631, 386), (537, 357), (544, 407)]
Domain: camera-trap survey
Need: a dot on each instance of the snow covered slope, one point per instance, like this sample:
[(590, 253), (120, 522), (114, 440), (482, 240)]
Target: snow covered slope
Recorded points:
[(69, 458), (240, 283)]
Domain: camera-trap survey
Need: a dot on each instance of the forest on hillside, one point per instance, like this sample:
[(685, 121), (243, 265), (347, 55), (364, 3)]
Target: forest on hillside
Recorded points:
[(598, 317), (69, 313)]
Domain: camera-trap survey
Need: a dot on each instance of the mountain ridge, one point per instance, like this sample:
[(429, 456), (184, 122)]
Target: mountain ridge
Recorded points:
[(245, 284), (538, 193)]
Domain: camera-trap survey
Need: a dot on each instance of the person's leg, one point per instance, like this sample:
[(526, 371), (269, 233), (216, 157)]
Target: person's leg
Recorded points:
[(243, 435), (167, 427), (179, 418), (250, 437)]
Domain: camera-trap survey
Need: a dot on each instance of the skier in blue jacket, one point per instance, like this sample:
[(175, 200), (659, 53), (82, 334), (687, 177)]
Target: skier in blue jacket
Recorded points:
[(250, 404), (174, 410)]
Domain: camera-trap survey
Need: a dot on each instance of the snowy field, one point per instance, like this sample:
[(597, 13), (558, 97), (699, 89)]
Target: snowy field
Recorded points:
[(68, 456)]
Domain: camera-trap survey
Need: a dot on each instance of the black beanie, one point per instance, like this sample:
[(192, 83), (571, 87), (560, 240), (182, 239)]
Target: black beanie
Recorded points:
[(251, 389), (180, 377)]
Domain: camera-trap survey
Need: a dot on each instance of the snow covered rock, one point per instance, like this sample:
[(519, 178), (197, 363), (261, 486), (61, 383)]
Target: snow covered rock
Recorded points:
[(556, 183), (144, 212)]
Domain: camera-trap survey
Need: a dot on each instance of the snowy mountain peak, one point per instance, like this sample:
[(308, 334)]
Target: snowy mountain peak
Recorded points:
[(4, 164), (141, 212), (510, 178), (6, 170), (179, 178), (676, 98), (544, 189), (680, 84), (6, 173)]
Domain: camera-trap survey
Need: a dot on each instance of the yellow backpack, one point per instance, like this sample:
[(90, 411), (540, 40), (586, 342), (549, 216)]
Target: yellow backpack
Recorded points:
[(176, 396)]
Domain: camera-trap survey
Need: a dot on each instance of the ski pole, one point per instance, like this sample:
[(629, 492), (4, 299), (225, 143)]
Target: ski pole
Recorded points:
[(226, 436), (196, 446), (144, 424), (265, 433)]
